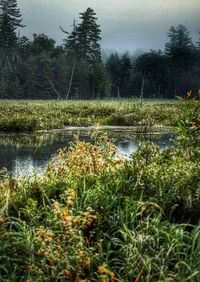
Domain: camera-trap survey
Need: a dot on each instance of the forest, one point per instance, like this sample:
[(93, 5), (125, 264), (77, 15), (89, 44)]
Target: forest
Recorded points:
[(38, 68)]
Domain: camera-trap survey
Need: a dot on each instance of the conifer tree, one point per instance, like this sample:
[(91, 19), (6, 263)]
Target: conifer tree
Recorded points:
[(85, 37), (10, 20)]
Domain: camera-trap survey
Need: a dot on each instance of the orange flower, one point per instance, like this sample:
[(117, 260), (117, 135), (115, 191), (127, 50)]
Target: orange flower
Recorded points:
[(2, 219), (85, 214), (82, 146), (39, 252), (69, 225), (58, 255), (30, 267), (94, 217), (58, 247), (112, 275), (54, 206), (67, 219), (88, 223), (75, 220), (100, 269), (68, 202)]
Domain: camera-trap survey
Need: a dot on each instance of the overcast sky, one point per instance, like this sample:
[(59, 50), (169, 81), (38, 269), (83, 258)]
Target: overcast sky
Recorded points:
[(125, 24)]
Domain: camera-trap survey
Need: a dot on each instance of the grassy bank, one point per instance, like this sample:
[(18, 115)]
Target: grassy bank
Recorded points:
[(22, 116), (96, 217)]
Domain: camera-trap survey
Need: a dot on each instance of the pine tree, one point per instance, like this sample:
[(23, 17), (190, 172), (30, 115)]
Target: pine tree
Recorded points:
[(180, 45), (10, 20), (88, 37)]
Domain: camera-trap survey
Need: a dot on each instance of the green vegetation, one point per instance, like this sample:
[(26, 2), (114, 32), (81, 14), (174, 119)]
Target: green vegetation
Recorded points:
[(94, 216), (22, 116)]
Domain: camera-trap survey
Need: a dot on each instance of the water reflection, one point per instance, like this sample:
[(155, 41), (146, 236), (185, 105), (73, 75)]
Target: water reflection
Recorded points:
[(24, 154)]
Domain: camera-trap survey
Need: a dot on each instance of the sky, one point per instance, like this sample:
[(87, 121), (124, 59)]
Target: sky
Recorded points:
[(127, 25)]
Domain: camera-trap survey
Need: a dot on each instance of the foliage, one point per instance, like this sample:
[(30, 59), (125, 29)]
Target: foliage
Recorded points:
[(36, 115), (10, 19), (94, 216), (189, 123)]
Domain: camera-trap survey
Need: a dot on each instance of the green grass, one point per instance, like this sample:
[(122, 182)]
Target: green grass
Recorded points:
[(27, 116), (94, 216)]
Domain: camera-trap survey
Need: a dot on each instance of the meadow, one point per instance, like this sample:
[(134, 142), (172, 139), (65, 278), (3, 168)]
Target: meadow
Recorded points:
[(30, 116), (95, 216)]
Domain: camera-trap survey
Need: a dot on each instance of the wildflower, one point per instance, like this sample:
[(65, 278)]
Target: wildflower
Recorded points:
[(30, 267), (58, 255), (68, 202), (75, 220), (67, 273), (100, 269), (59, 168), (58, 247), (69, 225), (67, 219), (39, 252), (94, 217), (112, 275), (2, 219), (81, 254), (88, 223), (55, 205), (82, 146), (85, 214)]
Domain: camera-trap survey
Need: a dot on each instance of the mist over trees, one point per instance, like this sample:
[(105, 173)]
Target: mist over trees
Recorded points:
[(39, 69)]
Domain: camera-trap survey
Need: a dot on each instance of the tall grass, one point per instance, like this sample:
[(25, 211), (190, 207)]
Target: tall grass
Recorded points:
[(94, 216), (25, 116)]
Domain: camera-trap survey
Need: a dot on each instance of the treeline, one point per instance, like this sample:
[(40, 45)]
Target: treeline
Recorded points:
[(39, 69)]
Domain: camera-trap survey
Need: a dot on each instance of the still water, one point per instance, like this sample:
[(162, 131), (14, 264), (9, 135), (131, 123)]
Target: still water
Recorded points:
[(24, 154)]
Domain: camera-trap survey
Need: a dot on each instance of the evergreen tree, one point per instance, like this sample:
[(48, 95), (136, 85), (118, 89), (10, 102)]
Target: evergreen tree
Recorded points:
[(10, 20), (180, 47), (88, 37), (125, 76), (198, 44), (114, 70)]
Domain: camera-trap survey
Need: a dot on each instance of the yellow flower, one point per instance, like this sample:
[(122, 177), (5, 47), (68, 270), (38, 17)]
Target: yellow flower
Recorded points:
[(112, 275), (100, 269), (39, 252)]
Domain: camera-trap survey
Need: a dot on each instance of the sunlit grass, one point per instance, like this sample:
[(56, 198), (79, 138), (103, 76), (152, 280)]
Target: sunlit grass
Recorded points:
[(94, 216), (18, 116)]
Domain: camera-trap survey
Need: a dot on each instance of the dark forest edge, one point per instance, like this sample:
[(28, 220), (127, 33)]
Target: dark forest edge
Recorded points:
[(38, 69)]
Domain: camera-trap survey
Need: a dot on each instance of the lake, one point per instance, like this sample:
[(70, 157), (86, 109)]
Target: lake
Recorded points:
[(23, 154)]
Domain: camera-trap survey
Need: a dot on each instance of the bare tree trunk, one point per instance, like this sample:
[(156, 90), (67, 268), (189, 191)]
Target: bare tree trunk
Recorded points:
[(142, 89), (71, 78), (53, 87), (118, 92)]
